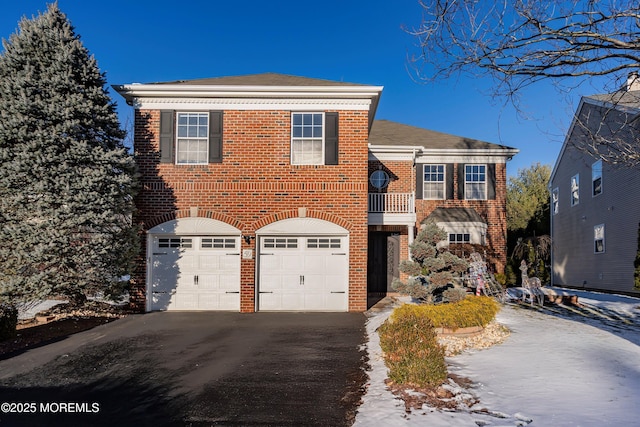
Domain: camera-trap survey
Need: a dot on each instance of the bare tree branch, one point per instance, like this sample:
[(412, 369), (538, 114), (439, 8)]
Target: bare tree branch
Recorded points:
[(519, 42)]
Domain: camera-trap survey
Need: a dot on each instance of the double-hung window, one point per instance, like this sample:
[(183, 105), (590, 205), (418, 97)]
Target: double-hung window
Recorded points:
[(598, 239), (475, 182), (575, 190), (192, 142), (596, 178), (434, 181), (307, 138)]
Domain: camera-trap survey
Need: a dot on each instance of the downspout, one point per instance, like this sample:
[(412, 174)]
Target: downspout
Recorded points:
[(411, 228), (551, 272)]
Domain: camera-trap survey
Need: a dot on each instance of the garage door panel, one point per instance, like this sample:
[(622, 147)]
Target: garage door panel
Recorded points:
[(303, 277), (186, 301), (162, 300), (291, 301), (290, 262), (197, 273), (229, 262), (338, 300), (208, 282), (229, 300), (228, 282), (188, 262), (209, 261)]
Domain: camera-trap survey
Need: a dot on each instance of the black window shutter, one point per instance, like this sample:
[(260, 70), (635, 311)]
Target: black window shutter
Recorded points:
[(461, 178), (215, 137), (419, 180), (331, 139), (167, 118), (449, 183), (491, 181)]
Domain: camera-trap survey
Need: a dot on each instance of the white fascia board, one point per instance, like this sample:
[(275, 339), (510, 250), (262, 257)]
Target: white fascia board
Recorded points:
[(133, 91), (298, 104), (422, 155), (393, 152), (491, 155)]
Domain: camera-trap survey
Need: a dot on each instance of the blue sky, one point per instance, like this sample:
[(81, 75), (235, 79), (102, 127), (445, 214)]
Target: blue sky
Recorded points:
[(359, 41)]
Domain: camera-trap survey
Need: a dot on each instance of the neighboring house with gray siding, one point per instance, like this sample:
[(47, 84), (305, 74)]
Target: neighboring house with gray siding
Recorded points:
[(595, 204)]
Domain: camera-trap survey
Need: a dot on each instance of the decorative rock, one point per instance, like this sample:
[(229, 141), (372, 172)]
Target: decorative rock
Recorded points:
[(494, 333)]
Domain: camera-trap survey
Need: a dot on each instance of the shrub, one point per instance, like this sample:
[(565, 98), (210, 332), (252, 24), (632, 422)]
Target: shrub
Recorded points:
[(454, 294), (8, 321), (431, 269), (472, 311), (412, 352)]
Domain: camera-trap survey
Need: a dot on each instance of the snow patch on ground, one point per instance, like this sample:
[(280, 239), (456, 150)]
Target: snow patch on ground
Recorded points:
[(561, 366)]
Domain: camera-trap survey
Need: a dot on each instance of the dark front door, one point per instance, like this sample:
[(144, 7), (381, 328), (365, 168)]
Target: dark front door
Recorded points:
[(384, 259)]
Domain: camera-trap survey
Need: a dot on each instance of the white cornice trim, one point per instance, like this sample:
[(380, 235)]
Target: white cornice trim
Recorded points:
[(422, 155), (133, 91), (460, 158), (250, 104)]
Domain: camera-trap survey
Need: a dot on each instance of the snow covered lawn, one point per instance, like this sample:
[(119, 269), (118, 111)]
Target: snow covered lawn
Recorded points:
[(561, 366)]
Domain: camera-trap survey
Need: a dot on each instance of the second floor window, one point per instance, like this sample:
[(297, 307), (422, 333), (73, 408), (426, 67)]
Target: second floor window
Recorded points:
[(192, 145), (475, 182), (433, 187), (307, 138), (555, 196), (596, 178), (575, 190)]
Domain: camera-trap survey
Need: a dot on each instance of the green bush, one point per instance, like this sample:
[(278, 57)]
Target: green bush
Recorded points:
[(8, 321), (472, 311), (412, 352)]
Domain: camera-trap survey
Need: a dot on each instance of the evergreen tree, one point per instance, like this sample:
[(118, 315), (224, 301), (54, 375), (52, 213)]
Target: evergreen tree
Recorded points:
[(66, 178), (432, 270)]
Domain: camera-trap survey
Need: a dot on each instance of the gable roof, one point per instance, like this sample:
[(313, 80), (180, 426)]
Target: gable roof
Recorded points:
[(620, 100), (627, 103), (388, 133), (264, 79)]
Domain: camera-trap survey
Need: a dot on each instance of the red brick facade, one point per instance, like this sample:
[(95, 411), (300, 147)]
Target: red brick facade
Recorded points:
[(256, 185), (402, 180)]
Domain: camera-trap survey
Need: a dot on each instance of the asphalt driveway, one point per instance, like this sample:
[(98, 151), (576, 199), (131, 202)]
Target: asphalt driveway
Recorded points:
[(193, 369)]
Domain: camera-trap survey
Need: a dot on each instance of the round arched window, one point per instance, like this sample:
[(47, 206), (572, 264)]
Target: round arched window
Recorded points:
[(379, 179)]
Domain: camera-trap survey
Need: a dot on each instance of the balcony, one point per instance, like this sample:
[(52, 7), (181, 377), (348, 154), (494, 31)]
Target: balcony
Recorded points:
[(392, 209)]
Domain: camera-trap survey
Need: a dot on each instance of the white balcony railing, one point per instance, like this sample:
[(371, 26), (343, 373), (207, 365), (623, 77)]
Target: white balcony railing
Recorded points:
[(392, 203)]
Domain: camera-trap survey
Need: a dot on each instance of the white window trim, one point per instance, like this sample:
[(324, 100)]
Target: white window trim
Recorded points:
[(324, 131), (477, 232), (386, 181), (475, 182), (575, 201), (444, 182), (595, 238), (177, 127), (593, 178)]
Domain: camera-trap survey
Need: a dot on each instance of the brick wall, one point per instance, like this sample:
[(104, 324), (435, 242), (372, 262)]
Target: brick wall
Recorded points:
[(493, 211), (401, 176), (256, 185)]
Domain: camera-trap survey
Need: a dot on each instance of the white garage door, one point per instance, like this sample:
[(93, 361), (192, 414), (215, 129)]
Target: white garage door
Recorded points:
[(195, 273), (306, 273)]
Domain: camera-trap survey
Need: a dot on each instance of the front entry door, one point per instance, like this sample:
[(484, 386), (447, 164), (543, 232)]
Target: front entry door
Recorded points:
[(384, 260)]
